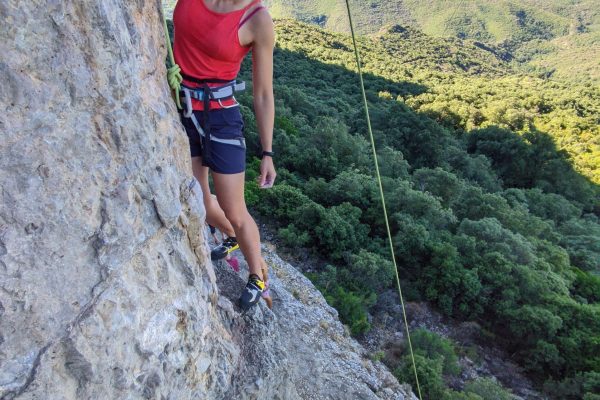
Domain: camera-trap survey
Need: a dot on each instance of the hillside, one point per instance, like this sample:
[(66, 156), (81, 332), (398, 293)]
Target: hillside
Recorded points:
[(465, 86), (555, 38), (492, 220), (493, 22), (572, 58)]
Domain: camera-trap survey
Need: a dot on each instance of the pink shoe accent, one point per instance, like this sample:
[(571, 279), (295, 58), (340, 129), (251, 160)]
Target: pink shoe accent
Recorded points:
[(234, 263)]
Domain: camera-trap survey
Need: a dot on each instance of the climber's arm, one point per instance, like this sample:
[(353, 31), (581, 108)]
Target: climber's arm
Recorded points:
[(262, 79)]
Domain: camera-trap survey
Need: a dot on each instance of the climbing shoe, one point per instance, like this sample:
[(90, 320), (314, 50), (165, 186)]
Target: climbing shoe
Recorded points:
[(218, 253), (252, 292)]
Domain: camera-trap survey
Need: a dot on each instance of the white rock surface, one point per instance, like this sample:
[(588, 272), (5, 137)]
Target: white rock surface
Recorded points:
[(105, 287), (302, 342)]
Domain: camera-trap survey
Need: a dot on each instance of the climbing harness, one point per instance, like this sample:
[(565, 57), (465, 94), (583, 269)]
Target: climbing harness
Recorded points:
[(205, 94), (387, 224)]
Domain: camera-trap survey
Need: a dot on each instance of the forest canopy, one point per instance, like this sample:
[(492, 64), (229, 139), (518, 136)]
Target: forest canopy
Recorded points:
[(491, 180), (492, 185)]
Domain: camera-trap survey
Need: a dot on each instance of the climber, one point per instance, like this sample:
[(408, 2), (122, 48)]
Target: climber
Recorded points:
[(211, 39)]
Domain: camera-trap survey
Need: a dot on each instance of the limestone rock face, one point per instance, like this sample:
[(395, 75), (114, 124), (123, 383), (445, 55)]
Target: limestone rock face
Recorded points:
[(106, 291), (301, 342)]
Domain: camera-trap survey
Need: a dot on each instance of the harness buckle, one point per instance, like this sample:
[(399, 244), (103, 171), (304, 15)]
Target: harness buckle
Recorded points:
[(231, 106)]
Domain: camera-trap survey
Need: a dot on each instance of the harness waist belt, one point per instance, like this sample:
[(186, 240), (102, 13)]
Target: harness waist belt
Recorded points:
[(207, 93), (218, 93)]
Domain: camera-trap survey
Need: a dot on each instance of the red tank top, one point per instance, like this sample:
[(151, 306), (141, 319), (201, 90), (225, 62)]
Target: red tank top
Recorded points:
[(206, 43)]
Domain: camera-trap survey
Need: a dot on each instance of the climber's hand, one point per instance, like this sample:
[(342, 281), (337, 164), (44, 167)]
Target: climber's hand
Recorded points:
[(267, 173)]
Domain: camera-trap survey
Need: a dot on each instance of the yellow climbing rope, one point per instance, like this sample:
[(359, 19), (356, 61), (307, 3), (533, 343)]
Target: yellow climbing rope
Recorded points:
[(174, 71), (387, 224)]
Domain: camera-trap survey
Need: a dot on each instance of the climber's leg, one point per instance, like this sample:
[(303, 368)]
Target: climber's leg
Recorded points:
[(214, 214), (230, 194), (229, 189)]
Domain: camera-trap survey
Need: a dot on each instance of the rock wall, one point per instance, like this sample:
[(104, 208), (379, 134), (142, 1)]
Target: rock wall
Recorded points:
[(300, 347), (105, 288)]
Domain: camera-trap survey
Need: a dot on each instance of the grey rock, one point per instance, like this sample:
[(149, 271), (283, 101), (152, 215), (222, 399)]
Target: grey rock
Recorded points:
[(302, 340), (76, 364), (105, 285)]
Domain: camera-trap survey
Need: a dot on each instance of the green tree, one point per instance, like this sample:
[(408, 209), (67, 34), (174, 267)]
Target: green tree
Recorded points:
[(448, 284), (429, 372), (371, 271), (488, 389), (433, 346), (587, 286), (438, 182)]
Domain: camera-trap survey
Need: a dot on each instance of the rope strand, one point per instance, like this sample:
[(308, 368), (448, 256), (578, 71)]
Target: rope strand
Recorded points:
[(387, 224), (174, 72)]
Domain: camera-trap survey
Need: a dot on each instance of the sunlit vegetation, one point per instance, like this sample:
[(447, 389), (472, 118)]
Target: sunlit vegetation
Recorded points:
[(491, 180), (491, 220), (556, 38)]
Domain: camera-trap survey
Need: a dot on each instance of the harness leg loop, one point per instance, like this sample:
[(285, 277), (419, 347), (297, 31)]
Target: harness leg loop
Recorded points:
[(189, 111)]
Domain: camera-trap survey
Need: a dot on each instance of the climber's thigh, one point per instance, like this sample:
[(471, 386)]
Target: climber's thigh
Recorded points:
[(201, 174), (192, 134), (229, 189)]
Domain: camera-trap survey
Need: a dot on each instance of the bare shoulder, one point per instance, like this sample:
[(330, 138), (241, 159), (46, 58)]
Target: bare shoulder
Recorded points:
[(261, 25)]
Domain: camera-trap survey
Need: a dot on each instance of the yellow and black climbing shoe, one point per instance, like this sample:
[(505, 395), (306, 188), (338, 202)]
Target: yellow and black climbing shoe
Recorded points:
[(218, 253), (252, 292)]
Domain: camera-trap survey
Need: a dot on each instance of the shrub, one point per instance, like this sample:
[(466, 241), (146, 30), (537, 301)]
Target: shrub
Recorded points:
[(488, 389), (429, 372), (352, 308), (434, 346)]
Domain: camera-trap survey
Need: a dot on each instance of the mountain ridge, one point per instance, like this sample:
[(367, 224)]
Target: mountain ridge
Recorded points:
[(525, 30)]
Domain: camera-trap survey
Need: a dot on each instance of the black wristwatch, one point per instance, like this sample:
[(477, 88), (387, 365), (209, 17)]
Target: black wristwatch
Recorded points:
[(268, 153)]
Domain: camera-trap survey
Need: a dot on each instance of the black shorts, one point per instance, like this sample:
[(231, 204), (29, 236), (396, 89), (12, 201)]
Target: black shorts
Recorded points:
[(225, 123)]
